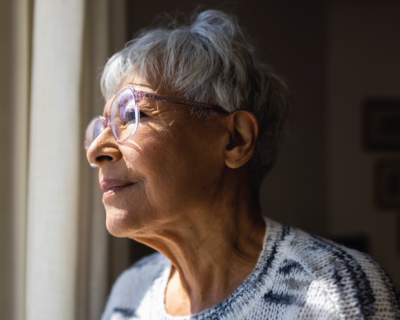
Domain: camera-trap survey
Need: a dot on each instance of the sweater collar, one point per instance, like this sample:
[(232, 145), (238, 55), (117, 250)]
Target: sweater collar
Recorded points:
[(248, 295)]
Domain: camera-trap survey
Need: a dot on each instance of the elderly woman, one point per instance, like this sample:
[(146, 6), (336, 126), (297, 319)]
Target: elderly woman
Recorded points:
[(190, 128)]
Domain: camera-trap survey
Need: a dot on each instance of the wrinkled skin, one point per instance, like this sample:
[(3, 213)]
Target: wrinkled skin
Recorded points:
[(180, 186)]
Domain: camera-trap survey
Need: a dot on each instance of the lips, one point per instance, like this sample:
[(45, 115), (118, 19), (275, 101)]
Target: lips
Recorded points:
[(113, 186)]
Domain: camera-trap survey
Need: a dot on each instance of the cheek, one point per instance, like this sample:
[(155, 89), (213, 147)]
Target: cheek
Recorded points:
[(178, 171), (154, 162), (164, 168), (175, 173)]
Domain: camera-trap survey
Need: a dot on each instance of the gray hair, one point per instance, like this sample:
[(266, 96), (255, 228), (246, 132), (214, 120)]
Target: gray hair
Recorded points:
[(209, 60)]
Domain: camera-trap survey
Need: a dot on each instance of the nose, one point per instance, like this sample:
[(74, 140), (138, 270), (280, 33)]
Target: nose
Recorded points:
[(103, 150)]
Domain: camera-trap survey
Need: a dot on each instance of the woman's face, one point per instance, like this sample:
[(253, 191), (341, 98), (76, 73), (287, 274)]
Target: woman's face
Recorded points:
[(166, 172)]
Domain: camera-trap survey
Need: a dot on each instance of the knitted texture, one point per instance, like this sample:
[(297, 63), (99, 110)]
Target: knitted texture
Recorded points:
[(297, 276)]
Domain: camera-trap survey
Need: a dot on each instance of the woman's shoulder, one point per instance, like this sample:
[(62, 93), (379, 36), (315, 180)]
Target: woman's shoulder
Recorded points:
[(352, 281)]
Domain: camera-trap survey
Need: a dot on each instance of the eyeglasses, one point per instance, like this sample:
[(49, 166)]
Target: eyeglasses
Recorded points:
[(124, 115)]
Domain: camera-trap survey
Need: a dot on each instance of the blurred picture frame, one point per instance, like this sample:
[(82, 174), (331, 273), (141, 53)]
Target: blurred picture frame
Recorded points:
[(387, 184), (381, 125)]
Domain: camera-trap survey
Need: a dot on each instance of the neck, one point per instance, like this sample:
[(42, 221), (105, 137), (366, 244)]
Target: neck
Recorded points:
[(212, 249)]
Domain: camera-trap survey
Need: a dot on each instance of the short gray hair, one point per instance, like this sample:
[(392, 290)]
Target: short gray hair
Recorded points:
[(209, 60)]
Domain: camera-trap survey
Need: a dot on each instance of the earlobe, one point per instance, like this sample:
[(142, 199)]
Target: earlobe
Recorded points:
[(243, 133)]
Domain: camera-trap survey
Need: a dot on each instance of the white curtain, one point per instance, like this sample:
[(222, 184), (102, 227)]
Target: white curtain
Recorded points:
[(94, 269), (21, 47), (62, 256), (53, 196), (102, 257)]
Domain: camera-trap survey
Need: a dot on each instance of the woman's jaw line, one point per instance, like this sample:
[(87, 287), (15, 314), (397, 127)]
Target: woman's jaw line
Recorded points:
[(193, 247)]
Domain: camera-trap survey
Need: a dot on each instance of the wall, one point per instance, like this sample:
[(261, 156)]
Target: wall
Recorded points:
[(364, 51), (292, 37)]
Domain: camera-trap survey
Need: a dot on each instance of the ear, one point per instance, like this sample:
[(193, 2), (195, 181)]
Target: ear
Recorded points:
[(243, 132)]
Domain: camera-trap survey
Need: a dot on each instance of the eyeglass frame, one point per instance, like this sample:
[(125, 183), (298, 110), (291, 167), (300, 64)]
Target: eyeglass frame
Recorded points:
[(139, 96)]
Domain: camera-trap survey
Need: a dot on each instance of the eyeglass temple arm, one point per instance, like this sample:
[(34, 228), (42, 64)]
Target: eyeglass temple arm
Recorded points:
[(146, 95)]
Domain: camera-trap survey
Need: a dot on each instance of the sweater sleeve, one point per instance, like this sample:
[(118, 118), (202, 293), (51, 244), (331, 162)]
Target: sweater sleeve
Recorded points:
[(356, 285), (384, 293)]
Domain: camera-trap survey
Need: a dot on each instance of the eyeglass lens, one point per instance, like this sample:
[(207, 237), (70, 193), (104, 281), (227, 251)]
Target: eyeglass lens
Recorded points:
[(124, 116), (95, 127)]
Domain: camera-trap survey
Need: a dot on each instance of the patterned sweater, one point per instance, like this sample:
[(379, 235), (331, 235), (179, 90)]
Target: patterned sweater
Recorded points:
[(297, 276)]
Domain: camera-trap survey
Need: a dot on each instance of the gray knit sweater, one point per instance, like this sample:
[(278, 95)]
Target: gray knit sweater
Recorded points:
[(297, 276)]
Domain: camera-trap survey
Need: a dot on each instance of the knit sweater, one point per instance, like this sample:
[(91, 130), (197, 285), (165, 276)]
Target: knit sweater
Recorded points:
[(297, 276)]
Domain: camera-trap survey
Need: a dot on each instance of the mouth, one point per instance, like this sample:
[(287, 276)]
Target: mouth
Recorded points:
[(111, 187)]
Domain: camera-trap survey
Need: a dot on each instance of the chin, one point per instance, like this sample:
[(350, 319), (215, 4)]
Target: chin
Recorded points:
[(116, 231), (119, 223)]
